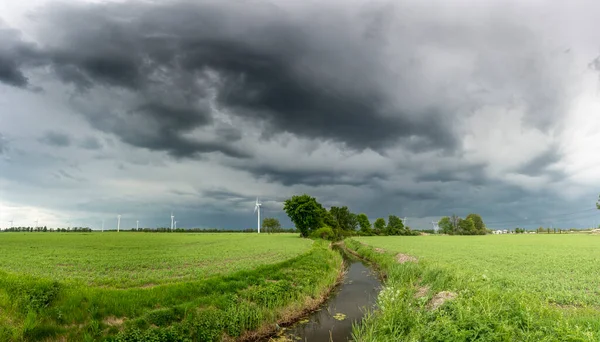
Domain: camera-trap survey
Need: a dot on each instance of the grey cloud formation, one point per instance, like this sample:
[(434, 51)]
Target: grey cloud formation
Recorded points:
[(422, 108), (325, 80), (90, 143), (56, 139)]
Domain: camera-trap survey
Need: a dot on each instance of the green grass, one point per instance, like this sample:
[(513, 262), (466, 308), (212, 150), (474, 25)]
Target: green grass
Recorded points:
[(137, 259), (562, 269), (230, 302), (508, 288)]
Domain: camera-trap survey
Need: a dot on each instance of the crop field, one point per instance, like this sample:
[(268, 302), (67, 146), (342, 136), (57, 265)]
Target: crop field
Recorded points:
[(491, 288), (157, 287), (134, 259), (562, 268)]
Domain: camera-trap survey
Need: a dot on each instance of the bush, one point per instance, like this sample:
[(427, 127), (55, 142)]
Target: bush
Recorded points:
[(325, 233)]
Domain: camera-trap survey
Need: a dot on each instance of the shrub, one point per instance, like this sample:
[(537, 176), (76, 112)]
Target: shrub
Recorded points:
[(325, 233)]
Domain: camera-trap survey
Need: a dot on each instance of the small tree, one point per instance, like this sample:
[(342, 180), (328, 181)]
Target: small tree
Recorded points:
[(305, 212), (478, 222), (466, 227), (271, 225), (365, 225), (345, 219), (445, 225), (395, 226), (379, 226)]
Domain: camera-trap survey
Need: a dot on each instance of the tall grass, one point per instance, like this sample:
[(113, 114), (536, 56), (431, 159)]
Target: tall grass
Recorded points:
[(210, 309), (483, 310)]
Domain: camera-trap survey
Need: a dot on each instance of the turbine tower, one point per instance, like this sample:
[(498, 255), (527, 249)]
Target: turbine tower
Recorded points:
[(103, 225), (137, 224), (172, 218), (257, 209), (118, 223), (175, 225), (436, 227), (11, 223)]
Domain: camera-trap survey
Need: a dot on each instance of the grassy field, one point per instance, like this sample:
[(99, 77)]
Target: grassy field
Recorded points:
[(503, 288), (562, 269), (205, 287), (136, 259)]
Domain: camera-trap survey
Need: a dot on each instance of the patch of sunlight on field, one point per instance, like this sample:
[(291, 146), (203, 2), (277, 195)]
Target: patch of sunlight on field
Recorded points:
[(563, 269), (142, 259)]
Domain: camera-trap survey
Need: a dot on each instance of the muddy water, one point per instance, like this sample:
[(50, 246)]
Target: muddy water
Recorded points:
[(346, 305)]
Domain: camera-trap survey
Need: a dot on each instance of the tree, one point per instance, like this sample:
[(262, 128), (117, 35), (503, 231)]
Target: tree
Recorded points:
[(445, 225), (271, 225), (395, 226), (365, 225), (454, 221), (379, 226), (345, 219), (478, 222), (328, 219), (598, 203), (305, 212), (466, 227)]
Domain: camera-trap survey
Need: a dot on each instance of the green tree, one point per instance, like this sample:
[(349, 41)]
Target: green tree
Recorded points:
[(379, 226), (445, 225), (305, 212), (271, 225), (365, 225), (478, 222), (395, 226), (598, 203), (345, 219), (328, 219), (466, 227)]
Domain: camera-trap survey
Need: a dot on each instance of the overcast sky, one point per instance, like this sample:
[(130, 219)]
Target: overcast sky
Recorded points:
[(414, 108)]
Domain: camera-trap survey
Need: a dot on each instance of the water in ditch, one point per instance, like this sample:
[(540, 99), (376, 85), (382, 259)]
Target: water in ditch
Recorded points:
[(346, 305)]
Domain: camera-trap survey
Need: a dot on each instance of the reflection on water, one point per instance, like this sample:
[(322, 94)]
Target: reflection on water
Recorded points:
[(333, 321)]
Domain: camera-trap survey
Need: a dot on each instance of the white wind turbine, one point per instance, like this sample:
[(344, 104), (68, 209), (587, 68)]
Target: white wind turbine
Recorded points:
[(257, 209), (172, 218), (118, 223)]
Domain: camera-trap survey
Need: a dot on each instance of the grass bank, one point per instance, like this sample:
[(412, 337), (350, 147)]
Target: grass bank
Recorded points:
[(424, 300), (221, 307)]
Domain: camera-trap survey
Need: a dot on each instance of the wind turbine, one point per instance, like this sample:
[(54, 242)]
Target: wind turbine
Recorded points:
[(103, 225), (257, 208), (137, 224), (11, 223), (36, 223), (118, 223), (436, 227), (175, 225), (172, 218)]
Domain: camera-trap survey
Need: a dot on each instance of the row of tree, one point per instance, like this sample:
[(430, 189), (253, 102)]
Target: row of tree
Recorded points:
[(311, 218), (470, 225), (46, 229)]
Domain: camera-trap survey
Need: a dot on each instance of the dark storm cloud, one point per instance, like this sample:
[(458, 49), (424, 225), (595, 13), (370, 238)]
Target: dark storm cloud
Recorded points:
[(264, 64), (15, 56), (313, 177), (56, 139)]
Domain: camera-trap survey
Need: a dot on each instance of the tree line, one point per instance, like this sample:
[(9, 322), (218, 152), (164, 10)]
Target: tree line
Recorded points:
[(312, 219), (45, 229), (470, 225)]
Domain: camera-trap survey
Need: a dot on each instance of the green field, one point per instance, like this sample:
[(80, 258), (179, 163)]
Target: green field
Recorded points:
[(502, 288), (127, 259), (157, 287), (562, 269)]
